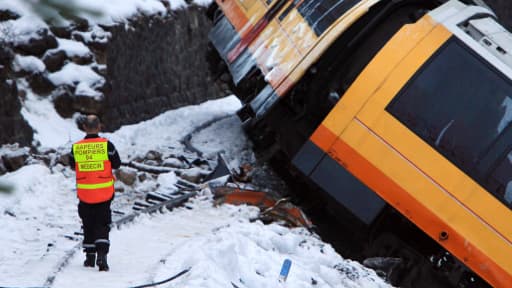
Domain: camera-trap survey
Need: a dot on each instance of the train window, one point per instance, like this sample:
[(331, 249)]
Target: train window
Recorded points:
[(320, 14), (460, 105), (500, 180)]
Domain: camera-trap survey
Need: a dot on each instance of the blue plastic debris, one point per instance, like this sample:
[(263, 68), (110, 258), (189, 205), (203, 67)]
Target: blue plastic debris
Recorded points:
[(285, 269)]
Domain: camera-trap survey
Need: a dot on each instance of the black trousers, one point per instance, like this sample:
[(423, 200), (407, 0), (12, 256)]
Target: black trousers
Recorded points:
[(96, 219)]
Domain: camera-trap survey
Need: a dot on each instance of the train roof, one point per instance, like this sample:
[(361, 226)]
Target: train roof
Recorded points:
[(477, 27)]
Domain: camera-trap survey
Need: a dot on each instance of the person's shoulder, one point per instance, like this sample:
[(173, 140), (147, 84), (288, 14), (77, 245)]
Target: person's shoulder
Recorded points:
[(110, 144)]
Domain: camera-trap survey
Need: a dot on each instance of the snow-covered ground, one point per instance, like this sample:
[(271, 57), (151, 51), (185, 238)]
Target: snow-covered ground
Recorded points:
[(220, 244)]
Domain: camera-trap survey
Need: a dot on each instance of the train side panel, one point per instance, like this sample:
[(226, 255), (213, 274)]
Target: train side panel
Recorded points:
[(364, 138)]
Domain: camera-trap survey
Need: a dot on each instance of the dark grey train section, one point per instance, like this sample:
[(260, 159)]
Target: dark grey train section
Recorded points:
[(339, 183)]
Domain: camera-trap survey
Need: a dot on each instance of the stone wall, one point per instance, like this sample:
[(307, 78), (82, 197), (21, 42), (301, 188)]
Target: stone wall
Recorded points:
[(156, 65), (13, 127)]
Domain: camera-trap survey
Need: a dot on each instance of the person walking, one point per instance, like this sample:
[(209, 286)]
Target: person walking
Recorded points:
[(93, 159)]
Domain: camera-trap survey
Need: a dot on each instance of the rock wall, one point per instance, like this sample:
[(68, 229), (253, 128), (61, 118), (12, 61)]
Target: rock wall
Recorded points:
[(156, 65), (13, 127)]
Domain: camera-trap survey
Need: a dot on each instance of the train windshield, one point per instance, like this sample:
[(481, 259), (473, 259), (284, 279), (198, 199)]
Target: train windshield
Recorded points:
[(461, 106), (320, 14)]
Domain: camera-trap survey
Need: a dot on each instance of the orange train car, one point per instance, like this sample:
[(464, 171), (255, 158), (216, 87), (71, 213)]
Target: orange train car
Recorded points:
[(399, 111)]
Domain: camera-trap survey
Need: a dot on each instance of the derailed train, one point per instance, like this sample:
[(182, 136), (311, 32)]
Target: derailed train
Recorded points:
[(399, 110)]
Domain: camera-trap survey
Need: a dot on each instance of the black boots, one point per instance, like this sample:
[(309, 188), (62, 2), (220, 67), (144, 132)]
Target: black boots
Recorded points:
[(102, 262), (90, 258)]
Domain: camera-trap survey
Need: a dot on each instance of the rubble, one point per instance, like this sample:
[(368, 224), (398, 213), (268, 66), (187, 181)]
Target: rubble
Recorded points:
[(272, 208), (194, 175), (154, 155), (14, 157), (126, 175), (174, 163)]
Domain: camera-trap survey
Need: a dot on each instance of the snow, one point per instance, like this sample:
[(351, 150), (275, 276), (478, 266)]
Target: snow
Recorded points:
[(28, 63), (83, 89), (118, 10), (96, 34), (72, 74), (167, 181), (169, 128), (22, 29), (72, 48), (222, 244), (50, 130)]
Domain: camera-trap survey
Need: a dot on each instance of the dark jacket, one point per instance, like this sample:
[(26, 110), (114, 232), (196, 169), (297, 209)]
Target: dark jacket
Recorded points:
[(113, 156)]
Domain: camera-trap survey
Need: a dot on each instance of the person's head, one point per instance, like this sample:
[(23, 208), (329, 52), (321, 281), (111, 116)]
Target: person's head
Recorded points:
[(92, 124)]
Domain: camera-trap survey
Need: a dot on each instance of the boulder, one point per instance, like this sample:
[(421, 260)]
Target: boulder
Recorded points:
[(61, 31), (37, 45), (153, 155), (126, 175), (24, 66), (174, 163), (82, 59), (64, 159), (15, 158), (54, 60), (6, 15), (194, 175), (79, 24), (63, 101), (88, 104), (40, 83)]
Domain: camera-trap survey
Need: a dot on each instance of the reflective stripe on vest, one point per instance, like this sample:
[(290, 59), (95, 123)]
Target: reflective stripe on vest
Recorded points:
[(94, 179), (95, 186)]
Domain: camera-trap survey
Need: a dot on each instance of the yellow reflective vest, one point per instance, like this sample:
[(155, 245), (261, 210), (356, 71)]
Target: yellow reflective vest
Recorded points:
[(94, 179)]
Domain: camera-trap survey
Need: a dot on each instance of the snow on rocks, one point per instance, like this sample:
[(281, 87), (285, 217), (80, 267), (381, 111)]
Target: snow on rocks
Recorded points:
[(12, 157), (126, 175), (72, 74), (28, 64)]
